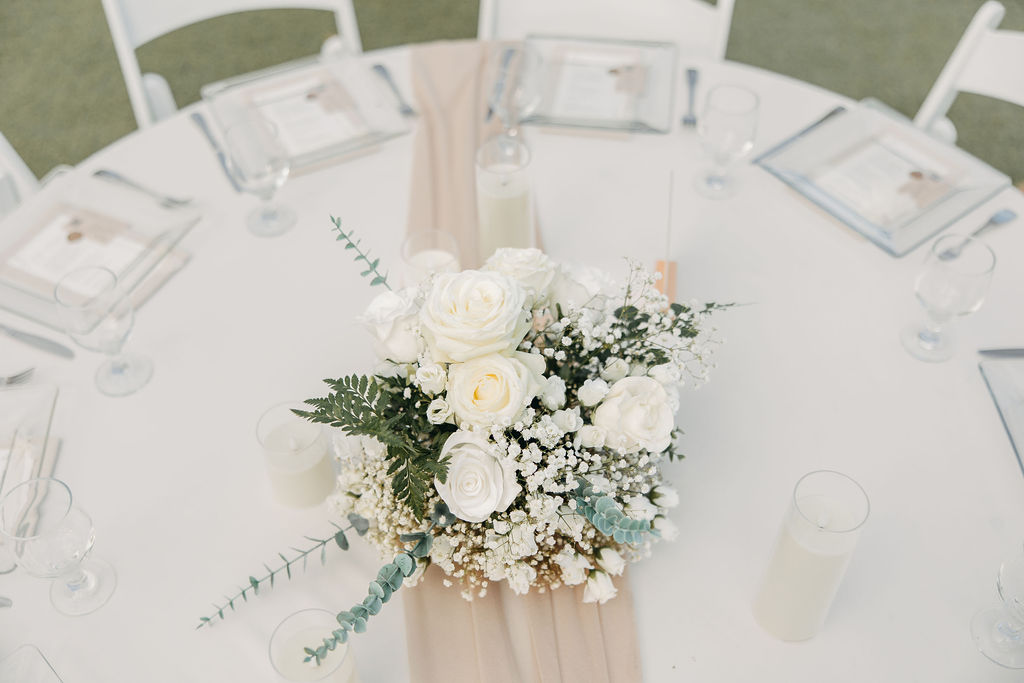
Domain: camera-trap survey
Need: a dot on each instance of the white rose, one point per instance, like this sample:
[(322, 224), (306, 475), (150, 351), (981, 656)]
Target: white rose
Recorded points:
[(589, 436), (391, 318), (609, 560), (491, 389), (614, 370), (636, 415), (600, 588), (439, 412), (577, 286), (667, 528), (553, 393), (666, 373), (640, 507), (592, 391), (479, 482), (665, 496), (567, 420), (431, 377), (529, 267), (474, 313), (573, 565)]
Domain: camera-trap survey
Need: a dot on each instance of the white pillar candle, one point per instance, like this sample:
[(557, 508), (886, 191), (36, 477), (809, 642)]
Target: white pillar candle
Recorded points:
[(297, 459), (504, 199), (814, 547)]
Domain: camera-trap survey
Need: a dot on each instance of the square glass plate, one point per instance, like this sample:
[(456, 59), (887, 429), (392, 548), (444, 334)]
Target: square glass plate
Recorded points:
[(1005, 380), (27, 665), (886, 179), (603, 84), (77, 220), (323, 107)]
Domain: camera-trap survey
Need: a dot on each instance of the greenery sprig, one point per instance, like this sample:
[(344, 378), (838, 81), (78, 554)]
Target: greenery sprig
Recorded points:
[(361, 405), (604, 513), (352, 243), (356, 523), (389, 579)]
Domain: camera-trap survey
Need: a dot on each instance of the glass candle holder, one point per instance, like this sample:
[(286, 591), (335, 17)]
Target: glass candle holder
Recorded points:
[(425, 252), (814, 547), (308, 628), (297, 456), (503, 197)]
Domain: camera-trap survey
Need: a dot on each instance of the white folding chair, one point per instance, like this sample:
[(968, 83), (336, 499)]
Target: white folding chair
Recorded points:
[(136, 22), (696, 27), (986, 61), (16, 179)]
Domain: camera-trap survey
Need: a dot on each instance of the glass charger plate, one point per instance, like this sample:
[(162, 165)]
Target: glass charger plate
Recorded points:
[(884, 178), (1005, 380), (603, 84), (27, 665), (78, 220), (323, 108)]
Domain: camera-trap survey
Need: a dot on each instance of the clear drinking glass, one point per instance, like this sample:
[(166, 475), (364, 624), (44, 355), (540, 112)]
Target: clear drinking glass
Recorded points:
[(727, 131), (51, 538), (515, 91), (260, 164), (425, 252), (98, 315), (954, 281), (999, 632)]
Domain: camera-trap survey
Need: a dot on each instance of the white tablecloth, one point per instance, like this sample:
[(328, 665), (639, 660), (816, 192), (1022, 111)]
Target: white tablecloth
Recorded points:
[(812, 376)]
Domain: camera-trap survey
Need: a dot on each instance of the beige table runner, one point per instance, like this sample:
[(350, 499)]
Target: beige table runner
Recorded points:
[(551, 637)]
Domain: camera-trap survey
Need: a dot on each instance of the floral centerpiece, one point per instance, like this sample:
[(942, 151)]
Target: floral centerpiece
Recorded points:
[(515, 428)]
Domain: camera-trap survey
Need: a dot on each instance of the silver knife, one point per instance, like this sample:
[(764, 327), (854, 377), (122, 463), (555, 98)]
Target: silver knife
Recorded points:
[(1002, 353), (35, 340), (221, 157)]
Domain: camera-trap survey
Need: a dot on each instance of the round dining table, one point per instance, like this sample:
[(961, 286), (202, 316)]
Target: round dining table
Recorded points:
[(810, 375)]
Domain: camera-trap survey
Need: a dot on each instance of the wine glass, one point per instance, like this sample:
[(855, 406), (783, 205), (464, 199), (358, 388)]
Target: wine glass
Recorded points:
[(51, 538), (98, 315), (727, 131), (260, 164), (953, 282), (516, 90), (999, 632)]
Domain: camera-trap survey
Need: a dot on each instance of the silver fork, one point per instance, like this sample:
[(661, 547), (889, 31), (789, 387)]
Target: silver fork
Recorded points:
[(690, 118), (17, 378), (403, 106), (164, 200)]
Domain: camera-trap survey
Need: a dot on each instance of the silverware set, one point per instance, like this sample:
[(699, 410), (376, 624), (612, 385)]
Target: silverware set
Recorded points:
[(165, 201), (17, 378), (1000, 217), (689, 119)]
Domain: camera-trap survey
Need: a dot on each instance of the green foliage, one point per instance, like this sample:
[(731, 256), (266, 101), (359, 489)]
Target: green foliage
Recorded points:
[(254, 584), (370, 406), (379, 591), (604, 513), (351, 242)]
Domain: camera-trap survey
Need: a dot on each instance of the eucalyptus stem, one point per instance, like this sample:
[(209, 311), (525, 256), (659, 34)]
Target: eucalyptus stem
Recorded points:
[(356, 523), (352, 243)]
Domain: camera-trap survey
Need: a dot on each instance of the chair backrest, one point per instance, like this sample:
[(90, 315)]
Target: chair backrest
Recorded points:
[(136, 22), (698, 28), (986, 61), (16, 179)]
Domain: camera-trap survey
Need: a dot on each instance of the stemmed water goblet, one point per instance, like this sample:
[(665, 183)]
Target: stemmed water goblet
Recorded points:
[(999, 632), (516, 90), (98, 315), (260, 164), (953, 282), (52, 538), (727, 130)]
